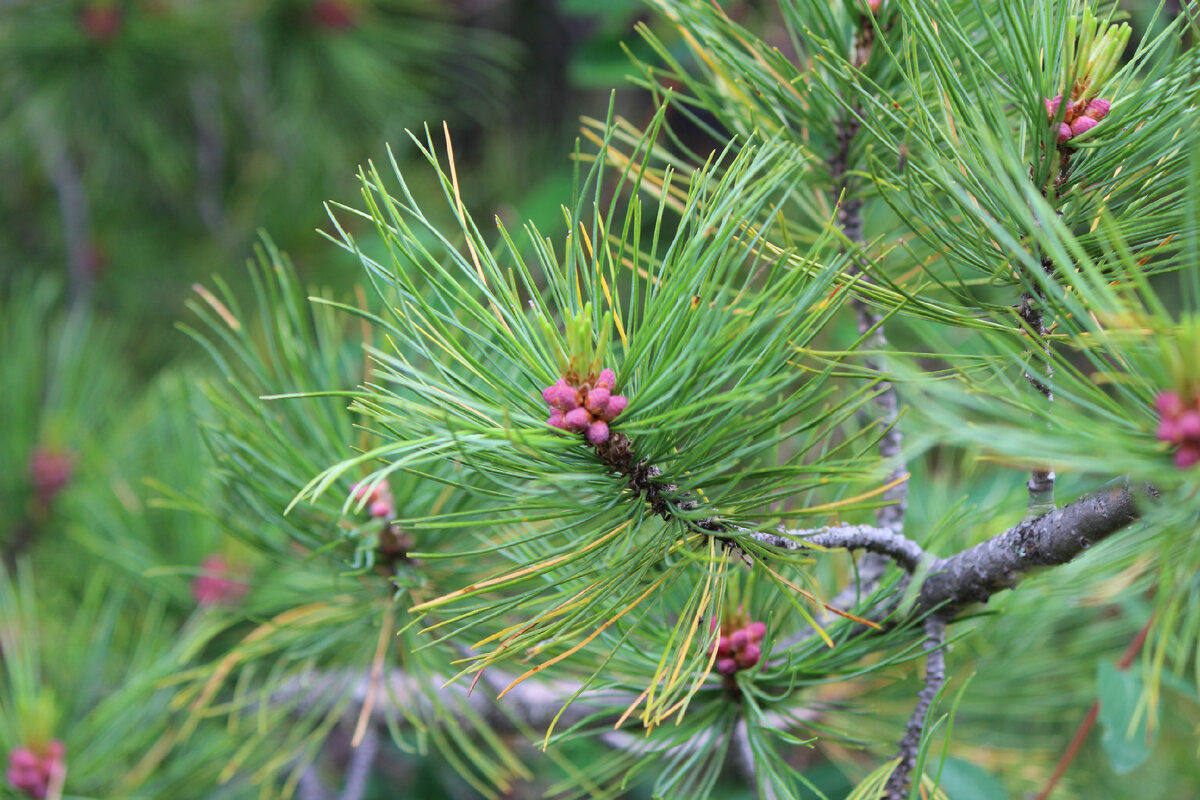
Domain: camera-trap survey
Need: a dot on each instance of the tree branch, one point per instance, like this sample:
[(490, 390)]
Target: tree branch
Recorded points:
[(881, 541), (935, 677), (975, 574)]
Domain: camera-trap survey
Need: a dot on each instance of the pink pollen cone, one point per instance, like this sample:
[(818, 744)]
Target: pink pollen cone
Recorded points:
[(757, 631), (381, 508), (739, 638), (1064, 133), (1082, 125), (1168, 431), (1098, 109), (577, 420), (750, 656), (561, 395), (597, 399), (597, 432), (1187, 455), (556, 420), (726, 666), (607, 380), (1189, 424), (723, 649), (1168, 403), (616, 404), (1052, 105)]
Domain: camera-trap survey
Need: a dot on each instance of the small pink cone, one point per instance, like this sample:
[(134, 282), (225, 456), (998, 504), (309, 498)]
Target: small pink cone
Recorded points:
[(577, 420), (1168, 431), (750, 656), (607, 380), (1098, 109), (616, 404), (1168, 403), (597, 432), (739, 639), (1064, 133), (1189, 425), (757, 631), (381, 508), (1187, 455), (556, 420), (1052, 105), (597, 400), (723, 649), (726, 666), (1082, 125)]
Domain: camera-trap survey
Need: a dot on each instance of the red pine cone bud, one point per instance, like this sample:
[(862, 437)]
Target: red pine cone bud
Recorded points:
[(1098, 109), (1082, 125), (597, 432), (577, 420)]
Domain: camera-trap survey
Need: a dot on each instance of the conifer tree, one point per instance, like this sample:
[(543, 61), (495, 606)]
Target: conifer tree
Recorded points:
[(851, 414)]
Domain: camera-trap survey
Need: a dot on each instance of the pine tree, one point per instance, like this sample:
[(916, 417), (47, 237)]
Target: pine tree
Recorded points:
[(882, 314)]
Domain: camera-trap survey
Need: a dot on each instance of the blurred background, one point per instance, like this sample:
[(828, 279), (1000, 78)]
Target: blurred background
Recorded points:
[(145, 144)]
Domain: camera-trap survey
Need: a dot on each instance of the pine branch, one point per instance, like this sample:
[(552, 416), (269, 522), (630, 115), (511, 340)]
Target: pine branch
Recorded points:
[(975, 574), (880, 541), (362, 759), (73, 205), (870, 322), (1038, 374), (935, 677)]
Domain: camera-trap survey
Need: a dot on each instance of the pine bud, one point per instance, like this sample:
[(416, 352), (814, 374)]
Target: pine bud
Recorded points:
[(1082, 125), (607, 380), (757, 631), (1052, 105), (616, 404), (1098, 109), (216, 584), (726, 666), (1168, 403), (556, 420), (561, 395), (597, 399), (739, 639), (1064, 133), (1187, 455), (750, 656), (597, 432), (1189, 425), (577, 420)]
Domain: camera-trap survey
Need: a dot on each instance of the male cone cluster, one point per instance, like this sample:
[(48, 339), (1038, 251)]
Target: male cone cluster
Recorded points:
[(218, 583), (380, 502), (1179, 424), (740, 648), (1079, 117), (586, 407), (30, 772)]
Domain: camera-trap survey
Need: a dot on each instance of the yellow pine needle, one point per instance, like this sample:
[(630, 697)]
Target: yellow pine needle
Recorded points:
[(515, 574), (705, 595), (632, 707), (571, 603), (607, 624), (850, 500), (462, 218), (217, 306), (374, 682), (226, 665)]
